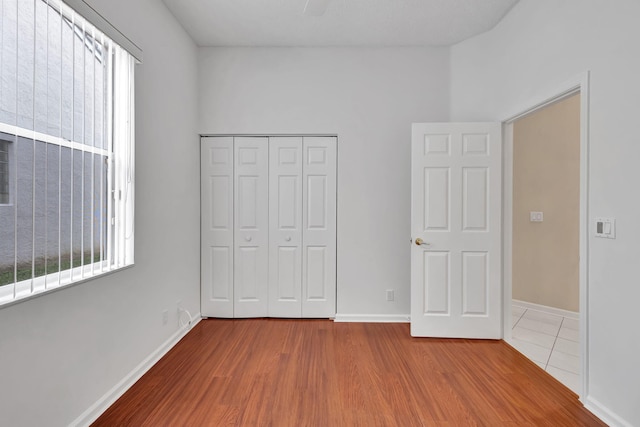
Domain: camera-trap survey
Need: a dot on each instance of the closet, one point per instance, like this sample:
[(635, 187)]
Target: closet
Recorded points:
[(268, 226)]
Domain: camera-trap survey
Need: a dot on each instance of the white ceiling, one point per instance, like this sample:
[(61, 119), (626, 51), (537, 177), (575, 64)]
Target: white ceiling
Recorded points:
[(345, 22)]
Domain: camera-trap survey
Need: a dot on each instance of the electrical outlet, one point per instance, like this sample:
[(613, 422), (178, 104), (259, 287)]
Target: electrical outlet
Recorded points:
[(390, 295), (165, 317)]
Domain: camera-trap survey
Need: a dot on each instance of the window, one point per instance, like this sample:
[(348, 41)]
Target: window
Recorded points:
[(66, 149), (4, 172)]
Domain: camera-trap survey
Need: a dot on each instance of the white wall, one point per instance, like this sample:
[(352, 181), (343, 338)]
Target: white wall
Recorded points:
[(369, 98), (60, 353), (539, 45)]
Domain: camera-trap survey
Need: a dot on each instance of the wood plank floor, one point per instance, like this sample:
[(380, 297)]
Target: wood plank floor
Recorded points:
[(268, 372)]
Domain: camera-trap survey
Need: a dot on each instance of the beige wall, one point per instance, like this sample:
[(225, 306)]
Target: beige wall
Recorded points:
[(546, 178)]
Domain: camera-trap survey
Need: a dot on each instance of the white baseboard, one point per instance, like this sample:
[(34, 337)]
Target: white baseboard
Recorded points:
[(602, 412), (547, 309), (373, 318), (95, 410)]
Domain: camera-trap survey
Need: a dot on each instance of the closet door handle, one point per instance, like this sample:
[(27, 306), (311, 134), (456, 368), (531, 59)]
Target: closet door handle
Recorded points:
[(288, 238), (248, 238)]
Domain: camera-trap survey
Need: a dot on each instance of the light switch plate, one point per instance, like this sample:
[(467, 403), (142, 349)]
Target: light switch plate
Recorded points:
[(390, 295), (605, 228), (536, 216)]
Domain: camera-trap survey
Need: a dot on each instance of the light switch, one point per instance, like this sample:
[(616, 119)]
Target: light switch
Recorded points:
[(535, 216), (606, 227)]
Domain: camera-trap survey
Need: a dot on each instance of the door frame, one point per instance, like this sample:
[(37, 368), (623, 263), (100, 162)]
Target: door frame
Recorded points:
[(578, 84)]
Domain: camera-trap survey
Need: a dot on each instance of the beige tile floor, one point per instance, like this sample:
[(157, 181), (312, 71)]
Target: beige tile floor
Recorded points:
[(549, 340)]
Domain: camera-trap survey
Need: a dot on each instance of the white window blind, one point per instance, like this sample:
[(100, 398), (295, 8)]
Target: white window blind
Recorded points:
[(67, 135)]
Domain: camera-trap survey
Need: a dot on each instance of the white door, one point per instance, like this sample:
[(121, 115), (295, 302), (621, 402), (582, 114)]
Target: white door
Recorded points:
[(319, 227), (455, 224), (251, 240), (285, 227), (216, 224)]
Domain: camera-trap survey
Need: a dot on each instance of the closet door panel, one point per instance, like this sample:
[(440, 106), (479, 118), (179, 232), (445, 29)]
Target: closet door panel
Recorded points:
[(217, 227), (251, 234), (248, 273), (319, 227), (285, 228), (316, 289)]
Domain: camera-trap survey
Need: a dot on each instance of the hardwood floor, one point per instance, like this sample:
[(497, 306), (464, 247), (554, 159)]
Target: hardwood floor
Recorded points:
[(270, 372)]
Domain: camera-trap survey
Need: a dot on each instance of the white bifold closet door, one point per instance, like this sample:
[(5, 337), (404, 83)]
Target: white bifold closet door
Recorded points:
[(216, 226), (268, 226), (251, 231), (319, 227), (285, 227)]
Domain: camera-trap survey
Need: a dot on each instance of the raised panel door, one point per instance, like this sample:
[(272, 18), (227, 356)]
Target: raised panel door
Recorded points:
[(251, 231), (319, 227), (285, 227), (455, 225), (217, 226)]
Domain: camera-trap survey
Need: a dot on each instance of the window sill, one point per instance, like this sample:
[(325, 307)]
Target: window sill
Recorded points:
[(6, 302)]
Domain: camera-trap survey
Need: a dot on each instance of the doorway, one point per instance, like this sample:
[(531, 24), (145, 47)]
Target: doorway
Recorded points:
[(545, 233), (545, 227)]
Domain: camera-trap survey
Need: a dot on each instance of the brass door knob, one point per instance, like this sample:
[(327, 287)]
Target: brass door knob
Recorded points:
[(420, 242)]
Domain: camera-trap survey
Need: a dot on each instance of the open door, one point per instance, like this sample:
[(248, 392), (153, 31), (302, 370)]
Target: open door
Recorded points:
[(456, 191)]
